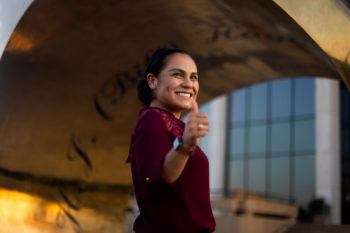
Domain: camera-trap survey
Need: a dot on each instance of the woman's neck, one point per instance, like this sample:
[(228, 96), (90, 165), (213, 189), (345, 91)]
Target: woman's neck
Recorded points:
[(156, 104)]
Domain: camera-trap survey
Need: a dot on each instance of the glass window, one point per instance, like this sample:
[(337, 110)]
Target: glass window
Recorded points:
[(257, 140), (237, 142), (304, 96), (238, 106), (279, 177), (304, 136), (258, 102), (257, 175), (280, 137), (304, 179), (236, 175), (280, 98)]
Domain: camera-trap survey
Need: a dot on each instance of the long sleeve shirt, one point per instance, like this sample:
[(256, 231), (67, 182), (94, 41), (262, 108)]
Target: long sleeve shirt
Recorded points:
[(179, 207)]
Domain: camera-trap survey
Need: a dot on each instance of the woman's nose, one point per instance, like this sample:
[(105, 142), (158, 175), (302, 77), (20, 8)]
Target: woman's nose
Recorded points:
[(187, 82)]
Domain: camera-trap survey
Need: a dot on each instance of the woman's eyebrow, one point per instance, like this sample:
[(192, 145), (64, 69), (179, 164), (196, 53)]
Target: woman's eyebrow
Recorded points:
[(178, 70), (182, 71)]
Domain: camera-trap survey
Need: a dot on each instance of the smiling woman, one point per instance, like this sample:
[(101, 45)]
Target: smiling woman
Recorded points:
[(170, 172)]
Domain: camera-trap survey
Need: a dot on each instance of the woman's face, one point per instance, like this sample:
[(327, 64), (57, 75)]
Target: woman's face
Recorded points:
[(176, 85)]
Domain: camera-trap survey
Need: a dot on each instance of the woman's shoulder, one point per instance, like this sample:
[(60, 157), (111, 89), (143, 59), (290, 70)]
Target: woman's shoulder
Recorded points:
[(150, 114), (160, 118)]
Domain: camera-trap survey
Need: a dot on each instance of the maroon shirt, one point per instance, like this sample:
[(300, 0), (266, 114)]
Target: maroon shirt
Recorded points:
[(181, 207)]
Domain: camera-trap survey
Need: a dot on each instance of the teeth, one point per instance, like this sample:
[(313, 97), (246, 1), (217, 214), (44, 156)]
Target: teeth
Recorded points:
[(184, 94)]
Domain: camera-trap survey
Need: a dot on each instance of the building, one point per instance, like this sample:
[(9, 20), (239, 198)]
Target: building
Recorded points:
[(286, 140)]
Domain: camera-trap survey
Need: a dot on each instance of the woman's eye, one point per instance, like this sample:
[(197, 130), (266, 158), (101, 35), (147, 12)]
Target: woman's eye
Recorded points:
[(194, 77), (177, 75)]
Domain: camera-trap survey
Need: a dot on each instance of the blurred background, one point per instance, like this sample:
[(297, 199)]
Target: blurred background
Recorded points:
[(274, 82)]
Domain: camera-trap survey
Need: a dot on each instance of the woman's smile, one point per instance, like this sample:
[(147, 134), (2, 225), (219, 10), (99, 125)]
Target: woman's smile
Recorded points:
[(184, 94)]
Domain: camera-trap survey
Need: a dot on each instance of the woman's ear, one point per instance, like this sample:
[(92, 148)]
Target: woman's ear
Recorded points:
[(152, 81)]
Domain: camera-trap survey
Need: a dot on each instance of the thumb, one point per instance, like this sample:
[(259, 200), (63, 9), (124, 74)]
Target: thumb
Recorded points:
[(194, 106)]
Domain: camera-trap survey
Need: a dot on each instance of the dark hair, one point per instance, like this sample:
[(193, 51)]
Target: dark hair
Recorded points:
[(155, 65)]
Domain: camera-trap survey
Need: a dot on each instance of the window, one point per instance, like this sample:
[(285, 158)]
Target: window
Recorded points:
[(272, 139), (304, 137), (257, 175), (304, 179), (236, 174), (280, 177), (280, 138), (238, 108), (304, 97), (258, 102), (237, 142), (280, 99), (257, 140)]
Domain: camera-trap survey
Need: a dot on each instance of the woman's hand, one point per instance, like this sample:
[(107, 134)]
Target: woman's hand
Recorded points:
[(196, 127)]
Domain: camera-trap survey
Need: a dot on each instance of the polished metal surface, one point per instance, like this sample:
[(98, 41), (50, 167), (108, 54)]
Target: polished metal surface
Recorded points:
[(328, 24), (69, 72)]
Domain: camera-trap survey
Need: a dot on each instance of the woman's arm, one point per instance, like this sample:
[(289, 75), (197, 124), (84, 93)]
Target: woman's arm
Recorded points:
[(175, 161)]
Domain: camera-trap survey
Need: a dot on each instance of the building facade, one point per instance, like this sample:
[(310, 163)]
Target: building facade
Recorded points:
[(284, 140)]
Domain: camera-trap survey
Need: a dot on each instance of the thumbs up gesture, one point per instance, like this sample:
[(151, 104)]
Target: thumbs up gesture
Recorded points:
[(196, 127)]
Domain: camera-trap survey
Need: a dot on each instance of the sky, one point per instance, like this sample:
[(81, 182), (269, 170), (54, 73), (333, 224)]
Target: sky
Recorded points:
[(10, 14)]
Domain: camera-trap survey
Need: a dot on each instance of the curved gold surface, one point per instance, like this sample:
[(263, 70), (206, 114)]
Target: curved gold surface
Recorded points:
[(328, 23), (69, 72)]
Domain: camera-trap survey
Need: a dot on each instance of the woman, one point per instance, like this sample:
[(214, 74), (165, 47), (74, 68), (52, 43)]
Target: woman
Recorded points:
[(170, 172)]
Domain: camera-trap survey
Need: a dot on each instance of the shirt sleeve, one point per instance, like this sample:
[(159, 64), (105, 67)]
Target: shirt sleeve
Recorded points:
[(152, 142)]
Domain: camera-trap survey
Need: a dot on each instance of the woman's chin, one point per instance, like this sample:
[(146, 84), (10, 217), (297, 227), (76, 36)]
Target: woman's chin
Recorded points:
[(186, 106)]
